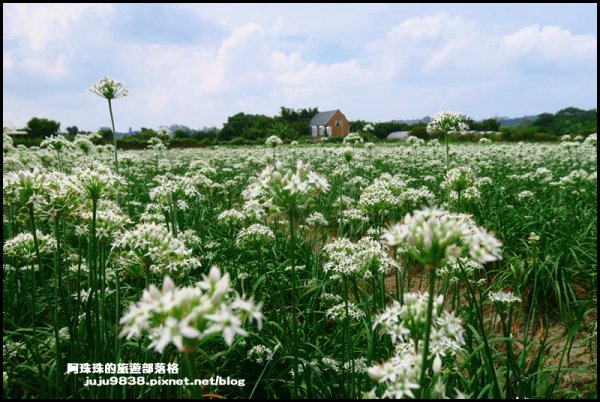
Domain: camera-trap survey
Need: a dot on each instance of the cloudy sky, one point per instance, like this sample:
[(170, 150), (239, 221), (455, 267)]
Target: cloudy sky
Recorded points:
[(198, 64)]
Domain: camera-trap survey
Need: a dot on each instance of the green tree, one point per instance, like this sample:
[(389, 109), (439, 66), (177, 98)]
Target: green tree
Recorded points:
[(41, 127), (107, 135), (419, 130), (72, 131), (179, 133)]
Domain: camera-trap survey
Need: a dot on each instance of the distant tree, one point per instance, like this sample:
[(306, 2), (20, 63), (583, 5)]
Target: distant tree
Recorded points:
[(107, 135), (419, 130), (146, 133), (490, 125), (281, 129), (545, 120), (179, 133), (72, 131), (247, 126), (41, 127), (483, 125), (290, 115), (357, 125)]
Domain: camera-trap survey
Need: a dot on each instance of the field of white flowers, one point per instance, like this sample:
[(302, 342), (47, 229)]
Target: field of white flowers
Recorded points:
[(316, 271)]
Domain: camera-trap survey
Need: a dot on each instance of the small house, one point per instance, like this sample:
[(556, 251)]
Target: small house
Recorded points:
[(332, 123)]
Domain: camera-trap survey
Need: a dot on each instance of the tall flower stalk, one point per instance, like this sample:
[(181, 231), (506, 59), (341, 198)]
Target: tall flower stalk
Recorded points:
[(288, 193), (436, 237), (445, 122), (109, 90)]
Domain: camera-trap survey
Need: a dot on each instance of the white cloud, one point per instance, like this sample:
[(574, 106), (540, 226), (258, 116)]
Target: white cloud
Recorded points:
[(46, 37), (370, 67), (431, 27), (551, 42)]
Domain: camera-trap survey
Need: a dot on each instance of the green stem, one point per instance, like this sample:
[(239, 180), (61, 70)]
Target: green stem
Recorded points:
[(347, 340), (191, 367), (112, 121), (427, 330), (447, 153), (294, 318), (33, 302)]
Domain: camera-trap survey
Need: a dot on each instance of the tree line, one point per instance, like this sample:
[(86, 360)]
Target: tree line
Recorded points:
[(293, 125)]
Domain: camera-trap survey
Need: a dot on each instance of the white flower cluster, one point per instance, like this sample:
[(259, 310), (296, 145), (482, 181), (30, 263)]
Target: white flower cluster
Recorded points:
[(525, 195), (109, 220), (151, 246), (273, 141), (439, 236), (572, 179), (186, 316), (24, 186), (230, 217), (504, 297), (455, 267), (84, 144), (254, 235), (353, 138), (590, 139), (338, 312), (283, 189), (22, 245), (458, 179), (109, 89), (96, 182), (533, 239), (57, 143), (416, 198), (354, 217), (383, 194), (406, 325), (361, 258), (260, 354), (330, 364), (317, 218), (415, 141), (174, 190), (164, 131), (447, 121)]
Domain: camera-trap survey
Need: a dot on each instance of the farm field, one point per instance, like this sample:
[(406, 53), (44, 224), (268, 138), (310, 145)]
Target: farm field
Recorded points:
[(309, 271)]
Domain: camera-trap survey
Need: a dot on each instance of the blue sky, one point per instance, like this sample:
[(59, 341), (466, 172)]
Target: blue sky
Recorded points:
[(197, 64)]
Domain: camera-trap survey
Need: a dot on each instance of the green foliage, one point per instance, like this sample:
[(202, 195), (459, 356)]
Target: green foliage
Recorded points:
[(289, 125), (419, 130), (246, 126), (107, 135), (571, 120), (146, 133), (73, 130), (42, 127), (484, 125), (179, 133), (297, 116)]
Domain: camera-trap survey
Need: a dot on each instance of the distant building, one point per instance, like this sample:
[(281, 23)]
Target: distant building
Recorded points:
[(398, 135), (333, 123)]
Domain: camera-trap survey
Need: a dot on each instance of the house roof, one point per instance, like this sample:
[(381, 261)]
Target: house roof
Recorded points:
[(322, 118)]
